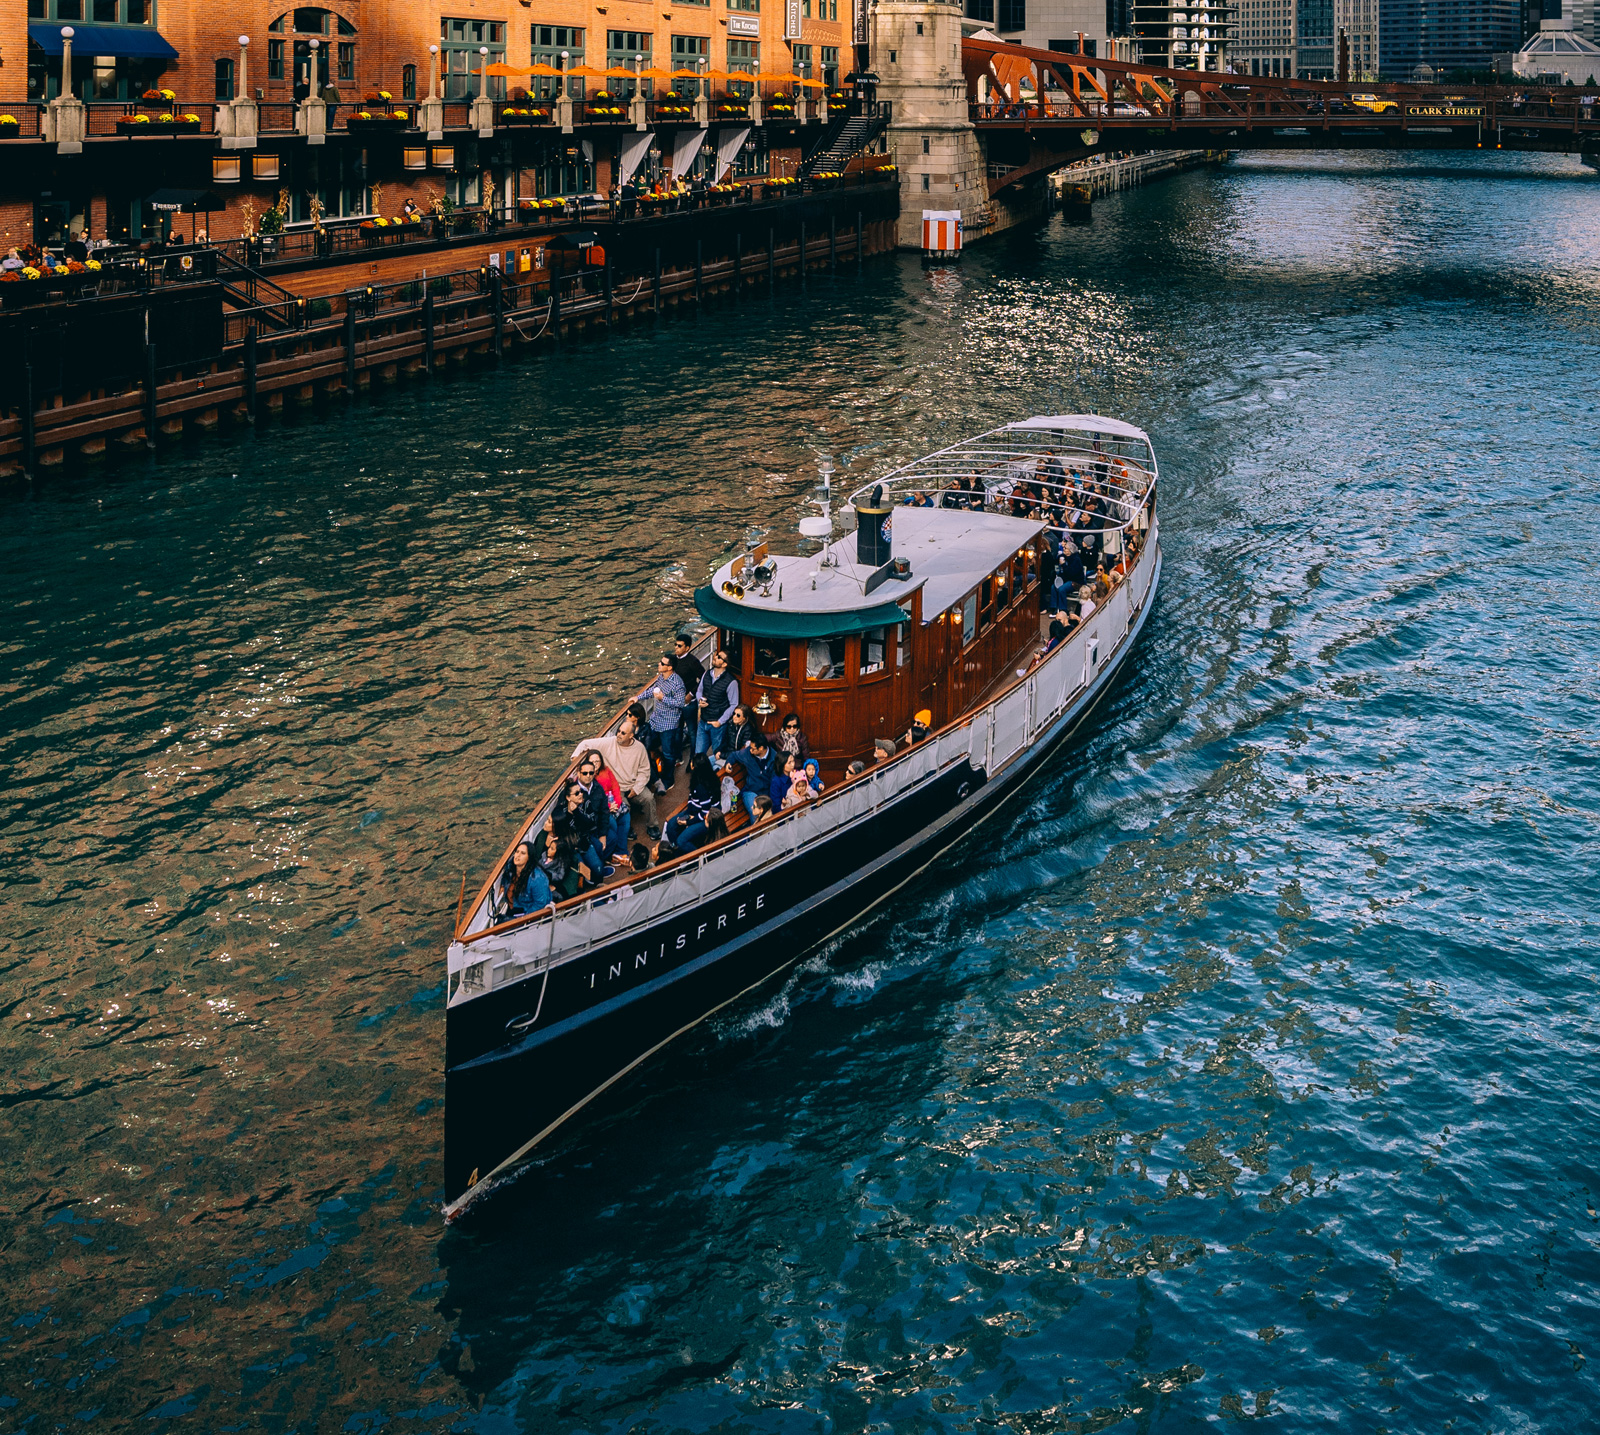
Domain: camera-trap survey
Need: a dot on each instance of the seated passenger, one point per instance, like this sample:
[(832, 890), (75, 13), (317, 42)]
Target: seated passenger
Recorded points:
[(785, 767), (1102, 580), (755, 765), (572, 823), (559, 869), (607, 806), (799, 791), (855, 769), (813, 771), (920, 723), (883, 749), (523, 887), (629, 762), (686, 830), (741, 727), (760, 808), (791, 739)]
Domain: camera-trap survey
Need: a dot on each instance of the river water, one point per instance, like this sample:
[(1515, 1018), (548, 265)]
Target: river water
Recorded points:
[(1244, 1072)]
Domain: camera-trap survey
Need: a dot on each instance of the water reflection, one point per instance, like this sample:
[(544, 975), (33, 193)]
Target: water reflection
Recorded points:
[(1237, 1071)]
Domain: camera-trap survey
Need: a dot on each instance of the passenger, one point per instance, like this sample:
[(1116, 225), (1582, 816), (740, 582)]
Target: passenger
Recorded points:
[(630, 764), (786, 767), (791, 739), (572, 822), (559, 869), (607, 804), (1102, 580), (855, 769), (1072, 569), (883, 749), (1047, 570), (799, 791), (741, 728), (715, 698), (523, 887), (813, 772), (639, 857), (755, 765), (921, 722), (760, 809), (661, 733), (686, 830), (691, 670)]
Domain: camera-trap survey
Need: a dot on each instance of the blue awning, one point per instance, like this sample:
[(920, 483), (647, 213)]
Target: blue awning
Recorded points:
[(722, 612), (137, 42)]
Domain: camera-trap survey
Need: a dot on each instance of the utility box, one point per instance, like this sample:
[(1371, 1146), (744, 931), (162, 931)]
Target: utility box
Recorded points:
[(941, 235)]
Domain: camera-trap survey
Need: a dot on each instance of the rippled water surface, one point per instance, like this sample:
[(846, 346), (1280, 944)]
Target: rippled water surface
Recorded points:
[(1245, 1072)]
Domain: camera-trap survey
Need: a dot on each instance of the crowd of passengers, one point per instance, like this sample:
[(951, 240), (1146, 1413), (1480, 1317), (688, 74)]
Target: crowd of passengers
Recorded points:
[(736, 770)]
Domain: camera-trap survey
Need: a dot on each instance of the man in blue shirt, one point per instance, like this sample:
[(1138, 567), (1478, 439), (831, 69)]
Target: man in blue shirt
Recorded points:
[(756, 765), (661, 736)]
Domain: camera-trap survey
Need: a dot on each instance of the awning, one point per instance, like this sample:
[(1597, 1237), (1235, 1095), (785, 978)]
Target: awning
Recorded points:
[(137, 42), (765, 623), (576, 239), (186, 201)]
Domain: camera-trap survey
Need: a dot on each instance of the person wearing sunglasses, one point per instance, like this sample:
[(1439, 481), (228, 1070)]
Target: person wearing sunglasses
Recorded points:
[(791, 739)]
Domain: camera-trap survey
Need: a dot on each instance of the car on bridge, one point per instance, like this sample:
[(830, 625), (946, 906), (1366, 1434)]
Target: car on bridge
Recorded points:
[(1375, 104)]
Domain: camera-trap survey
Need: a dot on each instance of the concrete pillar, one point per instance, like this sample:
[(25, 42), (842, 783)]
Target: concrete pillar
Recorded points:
[(922, 79), (311, 119), (239, 123), (66, 118)]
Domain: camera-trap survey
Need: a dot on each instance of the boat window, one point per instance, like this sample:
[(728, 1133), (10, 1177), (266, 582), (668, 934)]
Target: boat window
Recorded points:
[(771, 658), (825, 658), (986, 616), (969, 620), (903, 637), (874, 646)]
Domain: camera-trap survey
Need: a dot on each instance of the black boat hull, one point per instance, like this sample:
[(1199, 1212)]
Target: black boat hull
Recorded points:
[(523, 1058)]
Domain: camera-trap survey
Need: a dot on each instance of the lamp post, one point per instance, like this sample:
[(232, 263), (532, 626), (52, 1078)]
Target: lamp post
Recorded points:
[(433, 72), (66, 62), (561, 82), (311, 71), (244, 70), (483, 72)]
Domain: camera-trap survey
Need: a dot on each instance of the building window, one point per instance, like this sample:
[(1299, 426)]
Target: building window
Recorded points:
[(460, 41), (69, 9), (690, 52), (224, 79), (310, 22), (408, 82), (830, 66), (274, 59), (347, 61), (801, 59), (744, 57), (621, 47), (548, 43), (744, 5), (752, 159), (1013, 14)]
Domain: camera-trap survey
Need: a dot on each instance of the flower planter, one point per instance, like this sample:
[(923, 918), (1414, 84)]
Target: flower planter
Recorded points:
[(10, 129), (520, 115), (605, 114), (376, 124)]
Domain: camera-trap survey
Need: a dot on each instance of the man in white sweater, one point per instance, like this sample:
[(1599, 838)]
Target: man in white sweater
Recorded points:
[(629, 762)]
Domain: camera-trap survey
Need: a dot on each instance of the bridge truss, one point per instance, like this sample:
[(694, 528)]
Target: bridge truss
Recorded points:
[(1038, 110)]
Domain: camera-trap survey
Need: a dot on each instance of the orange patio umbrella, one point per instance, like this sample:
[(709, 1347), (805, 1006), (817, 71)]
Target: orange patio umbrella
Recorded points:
[(789, 79), (505, 72), (724, 75), (542, 69), (812, 84), (588, 72), (684, 75), (619, 72), (655, 74)]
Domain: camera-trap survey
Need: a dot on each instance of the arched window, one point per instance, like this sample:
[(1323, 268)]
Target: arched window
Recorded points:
[(225, 79)]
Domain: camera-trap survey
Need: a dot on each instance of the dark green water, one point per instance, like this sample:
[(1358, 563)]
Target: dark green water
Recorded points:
[(1245, 1072)]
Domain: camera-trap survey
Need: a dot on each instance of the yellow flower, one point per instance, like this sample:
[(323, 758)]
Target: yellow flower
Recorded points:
[(8, 119), (29, 272), (92, 265)]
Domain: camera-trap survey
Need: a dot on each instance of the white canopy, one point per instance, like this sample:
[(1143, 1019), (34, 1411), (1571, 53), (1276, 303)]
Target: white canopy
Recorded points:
[(1090, 423)]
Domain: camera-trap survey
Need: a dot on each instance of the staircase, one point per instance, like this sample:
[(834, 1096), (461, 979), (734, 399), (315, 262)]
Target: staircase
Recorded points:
[(247, 288), (842, 143)]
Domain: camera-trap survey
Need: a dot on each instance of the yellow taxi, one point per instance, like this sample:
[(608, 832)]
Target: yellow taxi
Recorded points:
[(1375, 105)]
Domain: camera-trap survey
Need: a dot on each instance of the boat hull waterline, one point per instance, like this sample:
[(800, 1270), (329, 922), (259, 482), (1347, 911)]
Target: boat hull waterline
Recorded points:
[(523, 1058)]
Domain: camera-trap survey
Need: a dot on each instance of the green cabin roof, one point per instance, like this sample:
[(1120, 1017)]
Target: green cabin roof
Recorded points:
[(766, 623)]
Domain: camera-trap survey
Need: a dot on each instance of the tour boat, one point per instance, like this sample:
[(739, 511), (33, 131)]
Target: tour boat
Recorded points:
[(931, 607)]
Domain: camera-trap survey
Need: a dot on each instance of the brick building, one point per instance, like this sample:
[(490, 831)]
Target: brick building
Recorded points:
[(121, 48)]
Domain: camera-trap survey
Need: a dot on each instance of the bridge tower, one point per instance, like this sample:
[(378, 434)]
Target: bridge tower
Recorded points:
[(916, 53)]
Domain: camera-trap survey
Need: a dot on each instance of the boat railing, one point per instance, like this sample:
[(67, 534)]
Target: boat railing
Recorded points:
[(989, 739)]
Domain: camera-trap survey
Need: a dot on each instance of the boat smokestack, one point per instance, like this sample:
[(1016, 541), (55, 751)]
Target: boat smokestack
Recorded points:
[(874, 530)]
